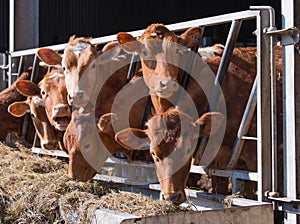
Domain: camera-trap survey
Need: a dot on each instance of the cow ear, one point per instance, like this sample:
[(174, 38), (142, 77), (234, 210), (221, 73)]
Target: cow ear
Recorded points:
[(110, 51), (133, 139), (106, 121), (128, 43), (207, 120), (49, 56), (28, 88), (191, 37), (18, 109)]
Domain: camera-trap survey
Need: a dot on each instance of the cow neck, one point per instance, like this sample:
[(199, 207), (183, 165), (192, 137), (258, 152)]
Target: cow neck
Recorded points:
[(160, 105)]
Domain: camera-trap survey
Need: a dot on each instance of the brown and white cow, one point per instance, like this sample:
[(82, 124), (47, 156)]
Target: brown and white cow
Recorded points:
[(172, 137)]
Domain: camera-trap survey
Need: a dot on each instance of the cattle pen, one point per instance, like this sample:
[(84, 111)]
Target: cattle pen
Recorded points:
[(261, 101)]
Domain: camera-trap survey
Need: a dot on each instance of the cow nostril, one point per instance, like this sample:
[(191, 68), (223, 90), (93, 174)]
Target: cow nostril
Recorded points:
[(175, 85), (49, 145), (163, 83), (80, 95), (70, 97)]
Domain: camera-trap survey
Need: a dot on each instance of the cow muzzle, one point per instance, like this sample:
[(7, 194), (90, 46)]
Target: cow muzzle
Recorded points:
[(49, 145), (77, 98), (165, 88), (177, 197), (61, 116)]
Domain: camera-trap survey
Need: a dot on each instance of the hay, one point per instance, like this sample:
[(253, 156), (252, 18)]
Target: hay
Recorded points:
[(35, 189)]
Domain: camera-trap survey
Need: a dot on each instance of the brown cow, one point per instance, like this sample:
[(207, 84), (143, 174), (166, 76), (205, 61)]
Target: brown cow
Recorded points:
[(160, 51), (53, 92), (8, 122), (160, 75), (167, 131), (36, 107)]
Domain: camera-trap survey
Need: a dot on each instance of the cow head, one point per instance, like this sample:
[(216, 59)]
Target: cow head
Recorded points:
[(36, 107), (86, 154), (78, 55), (160, 51), (53, 92), (172, 137)]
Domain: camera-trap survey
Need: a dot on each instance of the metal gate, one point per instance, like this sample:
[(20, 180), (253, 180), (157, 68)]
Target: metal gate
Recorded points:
[(262, 98)]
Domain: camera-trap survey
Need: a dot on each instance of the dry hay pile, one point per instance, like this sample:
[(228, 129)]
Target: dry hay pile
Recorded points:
[(35, 189)]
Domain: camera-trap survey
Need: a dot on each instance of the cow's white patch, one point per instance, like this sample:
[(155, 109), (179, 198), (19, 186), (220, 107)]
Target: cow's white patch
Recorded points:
[(37, 100), (79, 48), (153, 34), (56, 74)]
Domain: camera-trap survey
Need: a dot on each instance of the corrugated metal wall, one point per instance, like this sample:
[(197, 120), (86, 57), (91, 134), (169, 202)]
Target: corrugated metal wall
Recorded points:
[(4, 18)]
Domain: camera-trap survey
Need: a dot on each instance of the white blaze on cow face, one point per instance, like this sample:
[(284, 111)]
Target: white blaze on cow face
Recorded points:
[(78, 55)]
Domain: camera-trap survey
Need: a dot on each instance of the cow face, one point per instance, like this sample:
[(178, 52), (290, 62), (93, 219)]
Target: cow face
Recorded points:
[(172, 137), (54, 94), (160, 51), (86, 152), (78, 55), (36, 107)]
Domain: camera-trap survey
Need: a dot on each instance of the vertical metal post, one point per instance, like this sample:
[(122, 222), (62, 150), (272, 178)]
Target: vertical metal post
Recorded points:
[(3, 73), (11, 38), (291, 73), (263, 106)]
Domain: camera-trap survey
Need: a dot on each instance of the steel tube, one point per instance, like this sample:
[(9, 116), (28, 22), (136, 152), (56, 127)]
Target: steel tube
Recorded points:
[(244, 126), (11, 38)]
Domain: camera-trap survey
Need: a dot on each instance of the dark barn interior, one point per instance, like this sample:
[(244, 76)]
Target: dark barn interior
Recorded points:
[(58, 19)]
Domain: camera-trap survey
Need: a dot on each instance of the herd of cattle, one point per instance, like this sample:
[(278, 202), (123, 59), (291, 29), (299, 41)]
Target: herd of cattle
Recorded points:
[(73, 108)]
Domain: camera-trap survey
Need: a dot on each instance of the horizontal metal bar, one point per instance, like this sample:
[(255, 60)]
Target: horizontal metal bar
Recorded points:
[(236, 174), (58, 153), (115, 160), (287, 204), (215, 197), (210, 21), (249, 138), (215, 20)]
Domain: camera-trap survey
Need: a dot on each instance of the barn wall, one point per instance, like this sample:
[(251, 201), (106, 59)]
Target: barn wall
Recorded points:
[(61, 18), (58, 19), (4, 25)]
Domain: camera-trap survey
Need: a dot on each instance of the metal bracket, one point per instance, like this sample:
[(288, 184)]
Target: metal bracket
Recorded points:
[(287, 37)]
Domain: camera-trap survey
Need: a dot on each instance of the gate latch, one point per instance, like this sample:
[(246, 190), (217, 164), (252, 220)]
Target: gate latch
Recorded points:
[(287, 37)]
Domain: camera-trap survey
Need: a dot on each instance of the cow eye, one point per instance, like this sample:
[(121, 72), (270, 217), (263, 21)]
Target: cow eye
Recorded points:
[(43, 93), (144, 53), (32, 115)]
